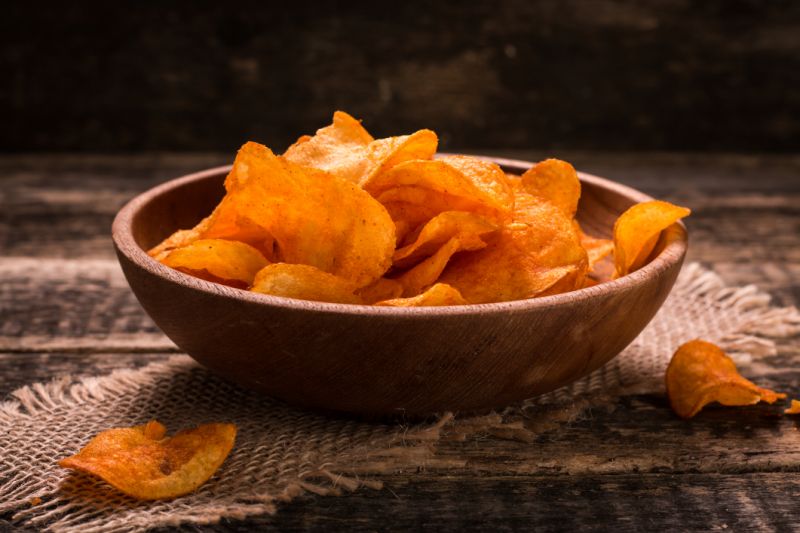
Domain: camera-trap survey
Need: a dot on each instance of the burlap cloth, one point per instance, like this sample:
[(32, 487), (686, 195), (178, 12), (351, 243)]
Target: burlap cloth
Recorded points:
[(281, 452)]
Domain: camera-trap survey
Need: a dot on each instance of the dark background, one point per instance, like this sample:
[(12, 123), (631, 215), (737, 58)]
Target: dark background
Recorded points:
[(719, 75)]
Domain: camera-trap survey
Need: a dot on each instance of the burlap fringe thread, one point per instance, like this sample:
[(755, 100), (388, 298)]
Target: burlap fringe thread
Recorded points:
[(282, 453)]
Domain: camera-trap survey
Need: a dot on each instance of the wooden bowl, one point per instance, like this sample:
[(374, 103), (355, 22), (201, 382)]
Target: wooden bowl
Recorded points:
[(384, 360)]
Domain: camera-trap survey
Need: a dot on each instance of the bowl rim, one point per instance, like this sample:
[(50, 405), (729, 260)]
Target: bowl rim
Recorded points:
[(124, 242)]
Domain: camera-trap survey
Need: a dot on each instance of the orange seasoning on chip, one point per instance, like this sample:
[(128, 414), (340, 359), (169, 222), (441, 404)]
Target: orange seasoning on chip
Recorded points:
[(700, 373), (793, 409), (142, 463)]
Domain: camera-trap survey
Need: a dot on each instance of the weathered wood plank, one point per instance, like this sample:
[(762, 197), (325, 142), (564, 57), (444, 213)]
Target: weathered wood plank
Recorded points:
[(23, 368), (627, 503), (612, 74), (74, 305), (86, 305), (623, 503)]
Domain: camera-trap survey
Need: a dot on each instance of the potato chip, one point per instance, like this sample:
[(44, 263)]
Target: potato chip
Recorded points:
[(176, 240), (596, 248), (300, 140), (383, 154), (589, 282), (793, 409), (339, 148), (380, 289), (234, 263), (305, 283), (143, 464), (407, 216), (438, 231), (415, 205), (454, 183), (425, 273), (554, 181), (313, 217), (700, 373), (538, 251), (346, 150), (487, 176), (637, 230), (437, 295)]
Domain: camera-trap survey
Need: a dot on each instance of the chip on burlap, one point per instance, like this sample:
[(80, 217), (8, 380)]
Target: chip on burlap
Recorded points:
[(281, 452)]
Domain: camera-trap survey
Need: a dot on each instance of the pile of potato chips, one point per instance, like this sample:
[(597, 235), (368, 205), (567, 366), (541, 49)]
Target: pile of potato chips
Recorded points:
[(343, 217)]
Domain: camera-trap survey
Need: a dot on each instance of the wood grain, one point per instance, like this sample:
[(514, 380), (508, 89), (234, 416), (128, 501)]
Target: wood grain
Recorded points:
[(620, 74), (72, 305), (629, 467), (629, 503)]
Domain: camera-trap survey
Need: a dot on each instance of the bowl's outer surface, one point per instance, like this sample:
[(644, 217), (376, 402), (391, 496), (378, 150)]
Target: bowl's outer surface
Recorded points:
[(375, 361)]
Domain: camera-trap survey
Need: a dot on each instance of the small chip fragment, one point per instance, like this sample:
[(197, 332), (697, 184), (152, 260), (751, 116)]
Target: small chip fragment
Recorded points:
[(793, 409), (637, 230), (700, 373), (142, 463)]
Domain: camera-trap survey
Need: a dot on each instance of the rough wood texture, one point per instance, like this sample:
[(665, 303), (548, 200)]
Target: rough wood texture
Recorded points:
[(627, 503), (631, 466), (625, 74)]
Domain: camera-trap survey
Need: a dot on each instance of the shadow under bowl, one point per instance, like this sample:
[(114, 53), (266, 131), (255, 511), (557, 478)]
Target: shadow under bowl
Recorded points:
[(378, 361)]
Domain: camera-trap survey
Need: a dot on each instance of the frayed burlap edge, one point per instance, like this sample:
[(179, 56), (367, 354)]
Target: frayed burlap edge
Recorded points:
[(757, 323)]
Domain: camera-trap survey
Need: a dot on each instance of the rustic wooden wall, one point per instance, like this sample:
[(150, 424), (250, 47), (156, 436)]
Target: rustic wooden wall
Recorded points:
[(596, 74)]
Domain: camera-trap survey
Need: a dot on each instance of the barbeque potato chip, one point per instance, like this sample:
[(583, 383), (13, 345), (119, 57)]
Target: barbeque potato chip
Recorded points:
[(339, 148), (554, 181), (539, 250), (793, 409), (305, 283), (700, 373), (437, 295), (637, 230), (440, 229), (596, 248), (346, 150), (383, 154), (454, 183), (233, 263), (425, 273), (380, 289), (143, 464)]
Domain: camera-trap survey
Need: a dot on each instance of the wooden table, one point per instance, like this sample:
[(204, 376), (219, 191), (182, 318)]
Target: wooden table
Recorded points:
[(64, 308)]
